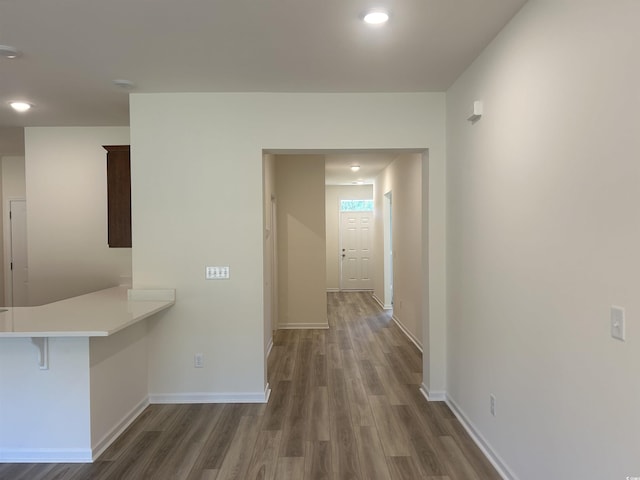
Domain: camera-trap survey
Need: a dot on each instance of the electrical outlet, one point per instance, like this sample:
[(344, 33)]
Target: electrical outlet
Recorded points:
[(198, 360), (492, 404)]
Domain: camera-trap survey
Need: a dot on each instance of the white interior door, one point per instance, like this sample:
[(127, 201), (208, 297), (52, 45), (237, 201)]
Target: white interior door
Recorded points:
[(356, 232), (19, 271)]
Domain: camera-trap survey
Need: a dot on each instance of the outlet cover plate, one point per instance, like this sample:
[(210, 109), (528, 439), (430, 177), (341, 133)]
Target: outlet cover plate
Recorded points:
[(617, 323), (217, 273)]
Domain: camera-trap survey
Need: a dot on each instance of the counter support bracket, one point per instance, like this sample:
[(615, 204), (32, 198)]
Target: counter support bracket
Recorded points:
[(42, 344)]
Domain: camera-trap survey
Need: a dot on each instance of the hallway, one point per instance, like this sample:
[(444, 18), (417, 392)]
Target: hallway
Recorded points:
[(345, 404)]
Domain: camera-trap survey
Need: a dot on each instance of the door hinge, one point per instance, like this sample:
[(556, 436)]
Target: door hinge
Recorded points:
[(10, 215), (11, 265)]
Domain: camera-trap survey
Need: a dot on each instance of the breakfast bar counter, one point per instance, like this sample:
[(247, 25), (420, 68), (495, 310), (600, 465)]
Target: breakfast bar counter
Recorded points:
[(73, 373)]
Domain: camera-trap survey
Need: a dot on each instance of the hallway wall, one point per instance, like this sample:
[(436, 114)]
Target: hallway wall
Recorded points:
[(543, 238), (302, 300), (403, 177)]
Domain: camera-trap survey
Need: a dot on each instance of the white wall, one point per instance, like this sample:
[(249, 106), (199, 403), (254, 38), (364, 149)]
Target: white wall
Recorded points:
[(51, 407), (403, 178), (333, 195), (66, 187), (13, 186), (543, 238), (302, 298), (197, 200), (118, 363)]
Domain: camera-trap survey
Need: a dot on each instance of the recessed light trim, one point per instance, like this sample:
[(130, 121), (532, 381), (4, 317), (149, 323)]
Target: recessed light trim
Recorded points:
[(20, 106), (7, 51), (124, 83), (355, 168), (376, 17)]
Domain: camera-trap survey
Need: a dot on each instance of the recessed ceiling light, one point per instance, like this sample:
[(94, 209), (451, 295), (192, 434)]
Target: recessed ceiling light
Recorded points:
[(355, 168), (124, 84), (7, 51), (20, 106), (376, 17)]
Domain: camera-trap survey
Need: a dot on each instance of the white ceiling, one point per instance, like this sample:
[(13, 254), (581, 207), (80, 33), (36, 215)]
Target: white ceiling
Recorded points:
[(338, 172), (74, 49)]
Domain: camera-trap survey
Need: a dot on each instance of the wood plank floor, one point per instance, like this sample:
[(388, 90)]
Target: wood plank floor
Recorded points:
[(345, 404)]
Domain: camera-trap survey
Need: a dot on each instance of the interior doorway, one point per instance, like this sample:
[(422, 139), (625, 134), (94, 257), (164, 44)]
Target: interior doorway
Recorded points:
[(18, 296)]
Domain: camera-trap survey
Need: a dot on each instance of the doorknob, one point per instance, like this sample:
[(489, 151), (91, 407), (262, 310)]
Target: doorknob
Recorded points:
[(343, 255)]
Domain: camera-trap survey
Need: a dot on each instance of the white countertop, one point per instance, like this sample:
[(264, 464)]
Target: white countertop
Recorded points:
[(97, 314)]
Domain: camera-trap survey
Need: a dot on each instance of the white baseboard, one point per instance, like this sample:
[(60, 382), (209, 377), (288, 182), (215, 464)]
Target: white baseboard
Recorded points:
[(409, 335), (503, 470), (46, 455), (204, 397), (117, 430), (381, 303), (303, 326), (432, 396), (332, 290), (270, 346)]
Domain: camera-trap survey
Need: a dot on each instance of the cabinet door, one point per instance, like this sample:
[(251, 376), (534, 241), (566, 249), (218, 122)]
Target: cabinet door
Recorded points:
[(118, 196)]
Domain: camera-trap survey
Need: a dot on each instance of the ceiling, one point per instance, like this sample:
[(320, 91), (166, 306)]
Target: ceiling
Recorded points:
[(72, 50), (338, 172)]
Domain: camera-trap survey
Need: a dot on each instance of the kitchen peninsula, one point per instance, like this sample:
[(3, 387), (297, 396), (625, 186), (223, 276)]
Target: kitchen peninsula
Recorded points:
[(73, 373)]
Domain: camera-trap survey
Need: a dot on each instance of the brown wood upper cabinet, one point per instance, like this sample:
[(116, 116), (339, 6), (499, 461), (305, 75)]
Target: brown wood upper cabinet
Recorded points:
[(118, 195)]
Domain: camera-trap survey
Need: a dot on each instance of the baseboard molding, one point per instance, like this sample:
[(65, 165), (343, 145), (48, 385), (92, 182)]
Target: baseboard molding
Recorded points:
[(332, 290), (409, 335), (381, 303), (503, 470), (117, 430), (46, 455), (245, 397), (303, 326), (270, 346), (432, 396)]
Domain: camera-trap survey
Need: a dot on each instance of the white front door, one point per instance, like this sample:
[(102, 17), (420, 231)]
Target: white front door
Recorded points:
[(18, 222), (356, 232)]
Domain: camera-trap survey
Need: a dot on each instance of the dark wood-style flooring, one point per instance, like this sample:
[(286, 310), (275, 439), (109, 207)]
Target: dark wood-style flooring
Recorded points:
[(345, 404)]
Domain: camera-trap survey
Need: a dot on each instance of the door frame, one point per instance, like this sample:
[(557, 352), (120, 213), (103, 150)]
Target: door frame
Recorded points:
[(387, 246), (6, 236)]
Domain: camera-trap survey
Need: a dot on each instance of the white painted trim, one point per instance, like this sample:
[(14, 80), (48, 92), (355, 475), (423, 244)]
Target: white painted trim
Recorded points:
[(267, 393), (204, 397), (270, 346), (409, 335), (152, 295), (6, 234), (303, 326), (382, 305), (118, 429), (500, 465), (333, 290), (46, 455), (432, 396)]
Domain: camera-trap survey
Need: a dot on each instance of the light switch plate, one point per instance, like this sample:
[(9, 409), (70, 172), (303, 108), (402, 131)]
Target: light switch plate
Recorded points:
[(617, 323), (217, 273)]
